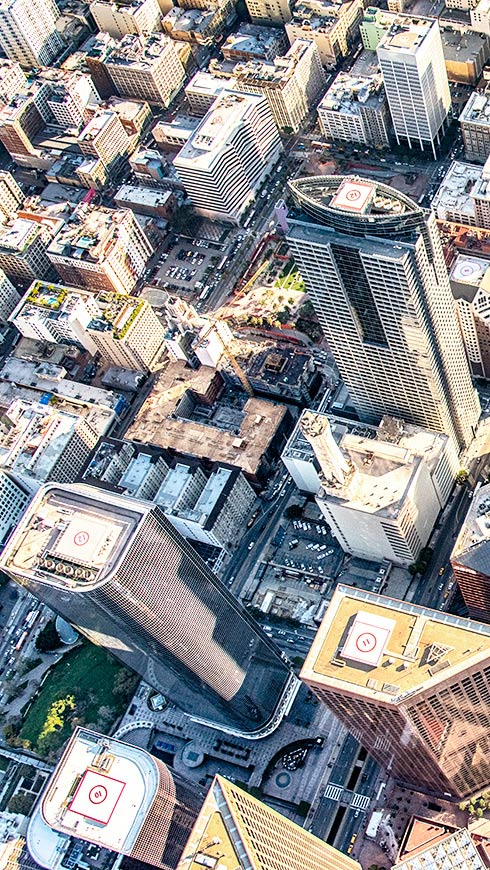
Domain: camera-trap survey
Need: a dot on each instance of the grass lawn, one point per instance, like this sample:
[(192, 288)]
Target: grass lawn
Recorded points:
[(86, 675), (290, 279)]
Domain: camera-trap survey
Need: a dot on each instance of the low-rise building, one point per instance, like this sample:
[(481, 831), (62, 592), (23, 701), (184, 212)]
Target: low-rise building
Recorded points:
[(145, 67), (380, 489), (453, 201), (204, 88), (475, 127), (130, 16), (253, 41), (144, 200), (199, 26), (354, 109), (291, 84), (269, 11), (188, 411), (100, 248), (332, 26), (228, 156), (176, 132), (465, 53), (205, 502), (148, 167), (375, 23)]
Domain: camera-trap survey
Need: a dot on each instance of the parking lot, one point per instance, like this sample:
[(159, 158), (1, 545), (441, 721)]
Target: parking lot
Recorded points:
[(186, 266)]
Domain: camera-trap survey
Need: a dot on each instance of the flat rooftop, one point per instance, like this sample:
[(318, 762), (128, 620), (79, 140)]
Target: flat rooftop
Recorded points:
[(319, 14), (101, 791), (275, 72), (211, 844), (406, 34), (72, 536), (468, 270), (48, 379), (476, 526), (210, 137), (208, 85), (349, 93), (88, 233), (476, 110), (389, 649), (252, 39), (138, 52), (157, 422), (453, 852), (453, 195)]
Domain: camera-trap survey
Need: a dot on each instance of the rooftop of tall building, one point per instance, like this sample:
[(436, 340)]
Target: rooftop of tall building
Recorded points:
[(477, 110), (406, 34), (390, 649), (349, 93)]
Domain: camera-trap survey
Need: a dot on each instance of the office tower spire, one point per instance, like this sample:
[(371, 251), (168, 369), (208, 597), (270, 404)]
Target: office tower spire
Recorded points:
[(411, 684), (373, 265), (117, 569), (119, 797)]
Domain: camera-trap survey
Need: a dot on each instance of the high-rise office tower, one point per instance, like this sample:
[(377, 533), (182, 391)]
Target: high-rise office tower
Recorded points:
[(117, 569), (28, 31), (235, 830), (411, 684), (373, 264), (411, 58), (119, 797), (470, 558)]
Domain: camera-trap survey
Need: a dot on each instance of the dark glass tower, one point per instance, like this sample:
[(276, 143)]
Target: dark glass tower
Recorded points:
[(120, 573)]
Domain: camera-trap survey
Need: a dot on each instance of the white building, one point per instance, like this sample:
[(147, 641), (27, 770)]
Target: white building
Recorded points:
[(71, 96), (203, 89), (332, 26), (374, 268), (123, 329), (23, 247), (453, 201), (39, 442), (229, 155), (470, 283), (9, 297), (380, 490), (411, 58), (12, 80), (291, 84), (28, 31), (118, 19), (475, 127), (354, 109)]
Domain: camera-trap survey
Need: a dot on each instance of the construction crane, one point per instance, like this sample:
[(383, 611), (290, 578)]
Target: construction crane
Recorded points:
[(252, 280), (228, 353)]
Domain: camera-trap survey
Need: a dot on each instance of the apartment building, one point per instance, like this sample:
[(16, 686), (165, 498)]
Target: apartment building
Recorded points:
[(145, 67), (355, 109), (120, 17), (28, 31), (23, 251), (331, 26)]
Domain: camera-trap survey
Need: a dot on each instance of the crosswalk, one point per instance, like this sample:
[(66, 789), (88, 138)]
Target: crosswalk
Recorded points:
[(337, 792)]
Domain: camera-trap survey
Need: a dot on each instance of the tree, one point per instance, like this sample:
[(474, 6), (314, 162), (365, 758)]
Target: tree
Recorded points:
[(124, 683), (462, 477), (21, 803), (48, 638), (293, 512)]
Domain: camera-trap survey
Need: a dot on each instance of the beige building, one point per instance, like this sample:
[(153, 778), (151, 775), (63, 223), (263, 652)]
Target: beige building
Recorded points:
[(233, 822), (127, 332), (101, 249), (291, 84), (28, 31), (204, 87), (11, 196), (470, 284), (269, 11), (21, 118), (411, 684), (23, 251), (105, 139), (12, 79), (132, 16), (331, 26), (146, 67)]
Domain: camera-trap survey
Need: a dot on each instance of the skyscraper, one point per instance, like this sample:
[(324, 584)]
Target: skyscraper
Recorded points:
[(470, 558), (411, 58), (119, 797), (411, 684), (117, 569), (235, 830), (373, 264), (28, 31)]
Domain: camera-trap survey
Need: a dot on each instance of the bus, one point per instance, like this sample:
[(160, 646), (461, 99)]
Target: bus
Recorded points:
[(31, 618), (22, 639)]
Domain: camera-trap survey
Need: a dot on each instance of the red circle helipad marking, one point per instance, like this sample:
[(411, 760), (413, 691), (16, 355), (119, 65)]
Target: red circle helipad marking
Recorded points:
[(97, 794), (352, 195), (81, 538), (366, 642)]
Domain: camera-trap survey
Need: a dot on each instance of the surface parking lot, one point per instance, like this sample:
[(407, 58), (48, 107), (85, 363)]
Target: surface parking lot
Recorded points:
[(184, 265), (309, 549)]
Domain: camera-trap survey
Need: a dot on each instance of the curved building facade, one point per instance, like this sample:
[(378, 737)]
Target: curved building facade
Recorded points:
[(374, 267), (116, 569)]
